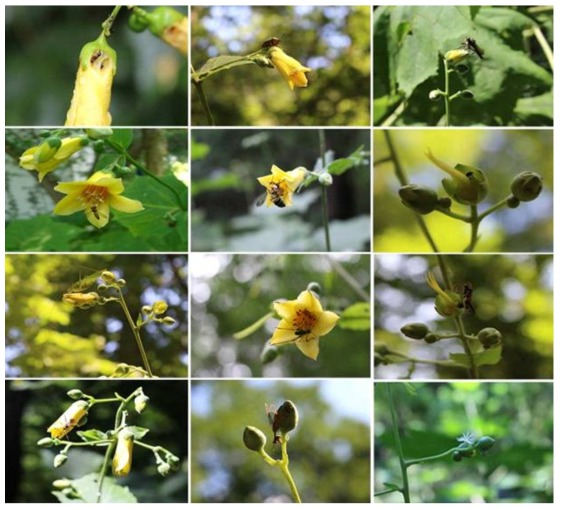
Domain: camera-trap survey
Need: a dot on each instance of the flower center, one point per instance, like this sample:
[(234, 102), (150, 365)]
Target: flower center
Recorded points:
[(277, 190), (304, 321), (94, 195)]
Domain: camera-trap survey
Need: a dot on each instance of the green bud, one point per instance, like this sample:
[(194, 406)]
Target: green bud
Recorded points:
[(489, 337), (512, 202), (456, 56), (99, 133), (448, 305), (287, 417), (138, 20), (121, 282), (431, 338), (45, 133), (420, 199), (172, 460), (62, 483), (163, 468), (467, 452), (162, 18), (146, 309), (435, 95), (269, 354), (485, 443), (444, 202), (99, 146), (47, 149), (59, 460), (325, 179), (527, 186), (75, 394), (467, 94), (457, 456), (168, 321), (415, 330), (254, 439), (46, 442)]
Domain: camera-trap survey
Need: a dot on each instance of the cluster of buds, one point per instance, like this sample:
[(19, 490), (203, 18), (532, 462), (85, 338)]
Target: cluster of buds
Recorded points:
[(470, 446), (152, 312)]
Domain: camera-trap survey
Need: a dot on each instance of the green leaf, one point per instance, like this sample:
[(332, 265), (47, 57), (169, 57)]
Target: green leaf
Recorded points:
[(538, 106), (122, 137), (198, 150), (224, 62), (356, 317), (107, 161), (86, 489), (41, 233), (393, 486), (138, 432), (487, 357), (92, 435)]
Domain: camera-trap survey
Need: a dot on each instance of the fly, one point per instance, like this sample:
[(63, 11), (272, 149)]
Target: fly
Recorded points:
[(471, 45), (467, 297)]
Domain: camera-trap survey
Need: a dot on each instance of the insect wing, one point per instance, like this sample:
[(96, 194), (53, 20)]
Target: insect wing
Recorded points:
[(261, 199)]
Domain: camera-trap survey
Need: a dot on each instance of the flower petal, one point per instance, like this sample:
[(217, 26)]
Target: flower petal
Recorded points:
[(101, 217), (284, 333), (285, 309), (278, 174), (124, 204), (309, 346), (325, 323), (70, 187), (69, 205), (308, 301), (264, 181)]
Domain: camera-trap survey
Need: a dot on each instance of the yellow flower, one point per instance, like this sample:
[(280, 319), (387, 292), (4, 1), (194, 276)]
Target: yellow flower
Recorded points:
[(303, 322), (95, 196), (81, 300), (447, 302), (290, 69), (69, 419), (176, 35), (44, 158), (159, 307), (456, 56), (123, 457), (92, 89), (281, 185)]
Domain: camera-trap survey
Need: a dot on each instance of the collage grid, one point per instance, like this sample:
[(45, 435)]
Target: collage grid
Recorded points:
[(204, 385)]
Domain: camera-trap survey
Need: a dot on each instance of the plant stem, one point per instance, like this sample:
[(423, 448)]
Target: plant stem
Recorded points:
[(283, 465), (473, 370), (454, 215), (439, 456), (405, 490), (105, 465), (322, 143), (544, 45), (447, 92), (474, 229), (439, 363), (494, 208), (203, 100), (108, 23), (348, 278), (145, 170), (386, 491), (136, 333), (201, 77)]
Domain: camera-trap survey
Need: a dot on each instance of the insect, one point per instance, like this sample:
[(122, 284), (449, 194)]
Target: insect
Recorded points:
[(467, 297), (271, 413), (270, 43), (96, 212), (96, 55), (276, 195), (471, 45), (98, 58), (85, 283)]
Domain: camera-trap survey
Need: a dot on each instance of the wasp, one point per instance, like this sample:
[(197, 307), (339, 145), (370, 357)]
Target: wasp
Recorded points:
[(467, 297), (270, 43), (471, 45)]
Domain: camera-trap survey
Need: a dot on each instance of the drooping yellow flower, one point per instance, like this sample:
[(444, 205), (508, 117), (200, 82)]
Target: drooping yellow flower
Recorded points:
[(303, 322), (92, 89), (81, 300), (291, 70), (48, 155), (123, 457), (176, 35), (95, 197), (281, 185), (69, 419)]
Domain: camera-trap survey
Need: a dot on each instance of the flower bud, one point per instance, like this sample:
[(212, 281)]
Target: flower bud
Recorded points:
[(269, 354), (512, 202), (457, 456), (325, 179), (46, 442), (448, 304), (467, 94), (163, 468), (59, 460), (108, 277), (431, 338), (141, 402), (489, 337), (121, 282), (102, 287), (75, 394), (62, 483), (467, 452), (99, 133), (99, 146), (416, 330), (420, 199), (123, 457), (444, 202), (173, 460), (287, 417), (435, 95), (456, 56), (47, 149), (527, 186), (485, 443), (254, 439), (168, 321), (159, 307)]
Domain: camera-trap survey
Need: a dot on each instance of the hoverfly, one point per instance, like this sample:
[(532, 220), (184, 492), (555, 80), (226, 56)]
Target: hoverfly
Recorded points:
[(467, 297), (471, 45), (272, 413), (96, 212), (270, 43)]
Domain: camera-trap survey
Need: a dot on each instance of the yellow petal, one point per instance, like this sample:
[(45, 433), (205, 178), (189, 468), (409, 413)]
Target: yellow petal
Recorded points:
[(69, 205), (278, 173), (325, 323), (285, 309), (264, 181), (70, 187), (456, 174), (101, 217), (308, 301), (124, 204), (309, 346), (284, 333), (68, 147)]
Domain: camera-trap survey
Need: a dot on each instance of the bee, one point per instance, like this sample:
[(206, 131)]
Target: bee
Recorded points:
[(471, 45), (276, 193), (467, 297), (270, 43)]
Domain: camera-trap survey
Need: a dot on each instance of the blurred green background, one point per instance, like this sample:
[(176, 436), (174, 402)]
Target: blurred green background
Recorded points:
[(31, 407), (333, 41), (42, 48), (225, 165), (519, 467), (513, 294), (511, 86), (161, 226), (329, 451), (500, 154), (231, 292), (48, 338)]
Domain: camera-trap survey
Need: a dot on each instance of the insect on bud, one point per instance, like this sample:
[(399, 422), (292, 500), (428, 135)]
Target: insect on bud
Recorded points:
[(489, 337), (325, 179), (435, 95), (420, 199), (269, 354), (527, 186), (59, 460), (485, 443), (431, 338), (75, 394), (254, 439), (415, 330)]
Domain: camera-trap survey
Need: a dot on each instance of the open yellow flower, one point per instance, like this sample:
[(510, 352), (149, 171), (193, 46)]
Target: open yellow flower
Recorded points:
[(281, 185), (48, 155), (95, 197), (123, 457), (69, 419), (291, 70), (303, 322)]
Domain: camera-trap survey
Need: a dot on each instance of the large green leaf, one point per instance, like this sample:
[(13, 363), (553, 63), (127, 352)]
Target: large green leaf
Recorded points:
[(529, 108), (41, 233), (86, 489), (122, 137), (224, 62), (487, 357)]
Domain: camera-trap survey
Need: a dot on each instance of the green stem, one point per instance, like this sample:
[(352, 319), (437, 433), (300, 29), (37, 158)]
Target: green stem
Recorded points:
[(201, 77), (322, 143), (202, 99), (348, 278), (496, 207), (145, 170), (447, 92), (104, 400), (413, 462), (454, 215), (386, 491), (405, 490), (108, 23), (104, 469), (544, 45), (136, 333), (473, 369), (474, 229), (439, 363), (83, 443), (284, 467)]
